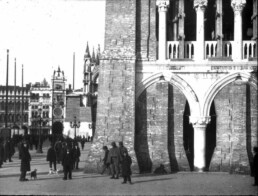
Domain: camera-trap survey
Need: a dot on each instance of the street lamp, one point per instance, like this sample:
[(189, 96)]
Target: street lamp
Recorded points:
[(40, 120), (74, 124)]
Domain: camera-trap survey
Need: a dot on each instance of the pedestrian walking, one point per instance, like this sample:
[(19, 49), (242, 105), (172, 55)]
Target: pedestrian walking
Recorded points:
[(122, 149), (9, 150), (106, 165), (58, 150), (255, 166), (83, 140), (25, 160), (126, 168), (51, 157), (114, 159), (76, 156), (1, 152), (67, 162)]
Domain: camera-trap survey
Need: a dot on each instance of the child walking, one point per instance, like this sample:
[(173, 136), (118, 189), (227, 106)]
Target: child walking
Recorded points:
[(126, 168)]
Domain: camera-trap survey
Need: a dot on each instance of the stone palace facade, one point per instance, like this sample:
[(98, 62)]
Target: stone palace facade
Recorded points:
[(178, 84)]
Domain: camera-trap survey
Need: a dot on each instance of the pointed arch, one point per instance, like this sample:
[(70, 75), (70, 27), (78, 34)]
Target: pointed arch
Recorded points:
[(221, 83), (175, 80)]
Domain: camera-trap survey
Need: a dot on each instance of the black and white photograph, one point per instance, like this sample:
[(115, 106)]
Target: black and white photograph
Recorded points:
[(128, 97)]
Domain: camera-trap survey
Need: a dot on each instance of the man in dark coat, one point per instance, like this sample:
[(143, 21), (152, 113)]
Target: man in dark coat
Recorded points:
[(51, 157), (114, 159), (255, 166), (1, 152), (126, 168), (122, 149), (67, 162), (106, 165), (25, 160), (58, 150), (9, 150), (76, 154)]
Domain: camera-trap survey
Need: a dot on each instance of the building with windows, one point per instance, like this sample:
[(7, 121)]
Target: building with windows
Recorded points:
[(178, 84), (15, 115), (40, 106)]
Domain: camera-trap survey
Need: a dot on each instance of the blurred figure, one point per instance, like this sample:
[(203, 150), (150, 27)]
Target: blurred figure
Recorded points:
[(9, 150), (105, 163), (51, 157), (83, 142), (122, 149), (255, 166), (1, 152), (126, 168), (67, 162), (76, 154), (25, 160), (114, 159), (58, 150)]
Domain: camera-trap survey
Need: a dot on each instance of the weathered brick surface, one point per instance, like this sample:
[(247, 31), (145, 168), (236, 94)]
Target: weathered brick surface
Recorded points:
[(159, 128), (236, 110), (146, 29)]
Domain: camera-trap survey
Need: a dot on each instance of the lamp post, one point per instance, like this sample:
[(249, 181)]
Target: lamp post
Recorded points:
[(40, 120), (74, 124)]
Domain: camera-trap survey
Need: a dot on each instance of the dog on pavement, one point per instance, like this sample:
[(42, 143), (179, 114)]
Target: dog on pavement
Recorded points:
[(33, 174)]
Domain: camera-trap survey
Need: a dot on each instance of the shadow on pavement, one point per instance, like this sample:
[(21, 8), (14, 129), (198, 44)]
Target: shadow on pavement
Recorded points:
[(151, 180)]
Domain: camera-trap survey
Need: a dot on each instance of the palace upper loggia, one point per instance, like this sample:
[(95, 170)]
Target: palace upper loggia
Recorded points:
[(177, 83)]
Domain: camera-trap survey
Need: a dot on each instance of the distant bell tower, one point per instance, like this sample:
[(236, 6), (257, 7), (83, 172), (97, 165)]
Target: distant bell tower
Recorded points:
[(58, 98)]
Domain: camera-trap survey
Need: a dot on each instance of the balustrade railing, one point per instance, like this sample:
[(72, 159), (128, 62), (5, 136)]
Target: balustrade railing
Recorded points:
[(249, 49)]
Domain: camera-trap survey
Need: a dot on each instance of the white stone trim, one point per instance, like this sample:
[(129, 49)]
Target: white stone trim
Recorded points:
[(173, 79), (220, 84)]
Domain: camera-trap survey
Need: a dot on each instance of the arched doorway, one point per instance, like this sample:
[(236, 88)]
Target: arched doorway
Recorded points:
[(160, 127)]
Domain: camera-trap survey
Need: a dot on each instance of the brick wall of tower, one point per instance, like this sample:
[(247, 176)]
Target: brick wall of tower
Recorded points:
[(159, 129), (116, 91), (236, 111), (146, 29), (120, 24)]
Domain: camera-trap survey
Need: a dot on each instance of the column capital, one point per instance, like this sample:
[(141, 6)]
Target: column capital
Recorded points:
[(200, 3), (238, 5), (163, 5), (199, 120)]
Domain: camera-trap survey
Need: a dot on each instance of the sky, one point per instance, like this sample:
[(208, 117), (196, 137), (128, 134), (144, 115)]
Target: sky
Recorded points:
[(44, 34)]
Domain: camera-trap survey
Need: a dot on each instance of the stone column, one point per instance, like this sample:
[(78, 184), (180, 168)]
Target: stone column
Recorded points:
[(237, 6), (181, 26), (219, 27), (199, 125), (199, 48), (163, 7)]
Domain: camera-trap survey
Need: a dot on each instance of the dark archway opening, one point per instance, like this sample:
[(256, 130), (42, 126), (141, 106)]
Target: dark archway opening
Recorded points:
[(141, 137), (210, 136), (188, 137)]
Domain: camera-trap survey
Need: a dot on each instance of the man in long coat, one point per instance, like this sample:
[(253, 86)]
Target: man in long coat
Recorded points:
[(67, 162), (25, 160), (114, 158), (1, 152), (255, 166)]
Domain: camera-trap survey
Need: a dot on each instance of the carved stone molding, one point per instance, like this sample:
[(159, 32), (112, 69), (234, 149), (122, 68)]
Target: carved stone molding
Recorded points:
[(238, 5), (200, 3), (200, 120), (163, 5)]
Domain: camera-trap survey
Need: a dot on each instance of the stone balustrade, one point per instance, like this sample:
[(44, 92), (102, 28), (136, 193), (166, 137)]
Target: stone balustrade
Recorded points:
[(249, 49)]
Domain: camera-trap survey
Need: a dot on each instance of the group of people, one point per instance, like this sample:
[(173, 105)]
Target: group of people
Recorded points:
[(67, 153), (7, 150), (118, 162), (62, 152)]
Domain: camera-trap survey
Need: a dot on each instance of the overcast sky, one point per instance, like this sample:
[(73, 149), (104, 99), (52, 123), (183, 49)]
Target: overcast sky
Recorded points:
[(44, 34)]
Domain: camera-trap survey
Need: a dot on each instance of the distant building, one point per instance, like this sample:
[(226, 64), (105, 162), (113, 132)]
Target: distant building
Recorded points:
[(40, 104), (18, 108)]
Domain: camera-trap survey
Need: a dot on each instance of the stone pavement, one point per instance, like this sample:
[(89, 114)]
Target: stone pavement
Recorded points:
[(182, 183)]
